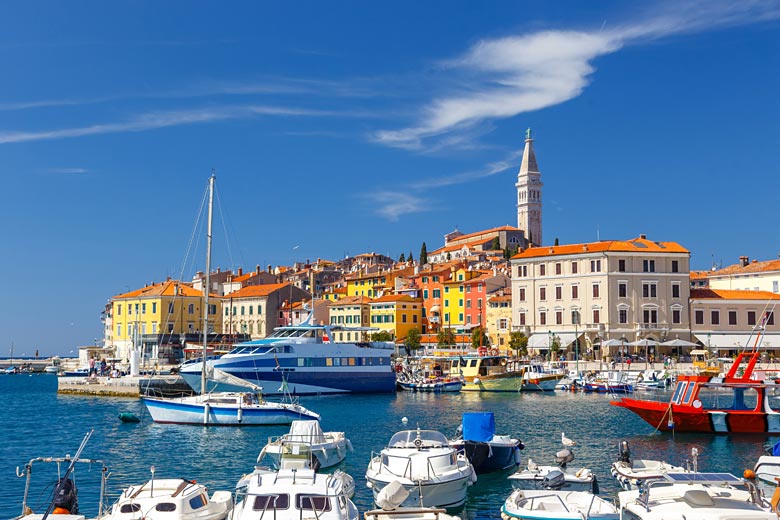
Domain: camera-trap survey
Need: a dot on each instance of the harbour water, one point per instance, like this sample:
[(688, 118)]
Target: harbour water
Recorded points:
[(39, 422)]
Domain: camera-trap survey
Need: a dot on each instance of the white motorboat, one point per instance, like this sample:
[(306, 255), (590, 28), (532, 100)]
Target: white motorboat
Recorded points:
[(767, 469), (390, 499), (435, 473), (295, 491), (485, 450), (558, 477), (631, 473), (330, 448), (694, 496), (172, 499), (557, 505)]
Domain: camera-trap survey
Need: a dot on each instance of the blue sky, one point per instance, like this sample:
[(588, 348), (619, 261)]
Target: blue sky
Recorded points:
[(348, 127)]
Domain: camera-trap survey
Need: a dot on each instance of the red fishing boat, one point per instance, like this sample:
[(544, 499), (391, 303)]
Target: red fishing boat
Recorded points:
[(705, 403)]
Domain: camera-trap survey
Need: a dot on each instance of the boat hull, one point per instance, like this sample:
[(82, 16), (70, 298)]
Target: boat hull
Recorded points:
[(431, 493), (691, 419), (435, 387), (488, 457), (767, 468), (190, 411)]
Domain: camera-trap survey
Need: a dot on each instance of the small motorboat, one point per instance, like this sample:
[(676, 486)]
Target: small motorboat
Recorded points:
[(330, 448), (390, 499), (767, 469), (295, 490), (173, 499), (485, 450), (435, 473), (435, 384), (632, 473), (558, 477), (557, 505)]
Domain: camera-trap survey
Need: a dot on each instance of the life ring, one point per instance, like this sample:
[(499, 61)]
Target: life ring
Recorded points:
[(494, 352), (482, 351)]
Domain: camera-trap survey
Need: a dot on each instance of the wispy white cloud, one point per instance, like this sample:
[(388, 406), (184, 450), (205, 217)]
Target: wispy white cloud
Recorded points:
[(503, 77), (393, 204), (67, 171), (490, 169), (156, 120)]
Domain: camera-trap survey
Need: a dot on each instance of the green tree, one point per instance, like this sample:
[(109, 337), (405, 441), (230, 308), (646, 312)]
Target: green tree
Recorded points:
[(410, 257), (382, 335), (479, 338), (401, 258), (413, 339), (556, 241), (518, 342), (495, 245), (555, 346), (445, 338), (423, 254)]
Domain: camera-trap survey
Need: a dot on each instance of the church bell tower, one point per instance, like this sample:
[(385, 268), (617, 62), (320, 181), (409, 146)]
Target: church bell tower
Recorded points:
[(529, 194)]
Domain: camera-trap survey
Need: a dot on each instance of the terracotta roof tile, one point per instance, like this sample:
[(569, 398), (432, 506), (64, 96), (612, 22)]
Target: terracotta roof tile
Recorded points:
[(752, 267), (724, 294), (636, 245), (255, 291), (396, 298)]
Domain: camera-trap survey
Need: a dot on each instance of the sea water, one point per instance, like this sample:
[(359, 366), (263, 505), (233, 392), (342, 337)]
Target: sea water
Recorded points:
[(38, 422)]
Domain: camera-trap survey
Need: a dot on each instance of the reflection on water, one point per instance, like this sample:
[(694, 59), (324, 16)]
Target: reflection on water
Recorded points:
[(41, 423)]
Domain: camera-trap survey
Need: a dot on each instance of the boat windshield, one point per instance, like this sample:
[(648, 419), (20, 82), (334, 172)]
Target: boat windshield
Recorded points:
[(303, 332), (417, 438), (251, 349)]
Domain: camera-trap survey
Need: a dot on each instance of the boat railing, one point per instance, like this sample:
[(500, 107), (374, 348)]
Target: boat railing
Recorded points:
[(385, 462), (406, 512), (301, 501)]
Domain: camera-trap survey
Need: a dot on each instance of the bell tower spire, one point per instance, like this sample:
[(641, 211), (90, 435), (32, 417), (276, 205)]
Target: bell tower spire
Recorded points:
[(529, 194)]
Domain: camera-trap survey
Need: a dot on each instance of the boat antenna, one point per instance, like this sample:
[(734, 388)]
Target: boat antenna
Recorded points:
[(61, 482), (207, 285)]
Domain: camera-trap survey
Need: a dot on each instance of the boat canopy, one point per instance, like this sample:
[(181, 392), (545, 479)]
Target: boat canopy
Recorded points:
[(418, 439), (306, 431), (478, 426)]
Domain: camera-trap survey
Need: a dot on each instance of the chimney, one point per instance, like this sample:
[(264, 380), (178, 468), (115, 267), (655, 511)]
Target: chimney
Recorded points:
[(643, 237), (240, 271), (257, 269), (744, 260), (584, 247)]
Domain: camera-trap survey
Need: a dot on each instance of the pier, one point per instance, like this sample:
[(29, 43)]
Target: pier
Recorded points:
[(125, 386)]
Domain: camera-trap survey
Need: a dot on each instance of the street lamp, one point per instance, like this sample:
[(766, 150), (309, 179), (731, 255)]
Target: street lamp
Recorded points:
[(623, 340)]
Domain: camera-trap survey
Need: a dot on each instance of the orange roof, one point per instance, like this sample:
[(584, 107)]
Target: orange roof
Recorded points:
[(753, 267), (492, 230), (699, 275), (350, 300), (167, 288), (504, 298), (396, 298), (255, 291), (636, 245), (724, 294)]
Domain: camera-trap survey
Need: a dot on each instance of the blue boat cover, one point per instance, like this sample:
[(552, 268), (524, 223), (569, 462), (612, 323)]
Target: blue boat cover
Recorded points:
[(776, 449), (478, 426)]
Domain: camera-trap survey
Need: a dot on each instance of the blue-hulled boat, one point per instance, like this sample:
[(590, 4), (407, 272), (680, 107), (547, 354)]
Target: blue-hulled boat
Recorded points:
[(485, 450)]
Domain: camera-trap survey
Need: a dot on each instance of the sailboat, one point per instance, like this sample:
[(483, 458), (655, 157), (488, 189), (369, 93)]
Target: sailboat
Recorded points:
[(246, 408), (11, 369)]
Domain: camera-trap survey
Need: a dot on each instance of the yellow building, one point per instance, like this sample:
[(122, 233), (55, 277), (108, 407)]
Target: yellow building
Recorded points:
[(350, 311), (396, 314), (375, 283), (453, 298), (499, 321), (170, 307)]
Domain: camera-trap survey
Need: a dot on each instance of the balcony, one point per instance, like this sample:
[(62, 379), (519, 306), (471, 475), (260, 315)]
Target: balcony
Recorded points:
[(651, 326)]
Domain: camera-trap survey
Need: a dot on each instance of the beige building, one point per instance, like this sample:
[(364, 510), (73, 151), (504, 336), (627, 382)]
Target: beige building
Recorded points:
[(499, 320), (255, 310), (350, 311), (748, 276), (728, 321), (613, 289)]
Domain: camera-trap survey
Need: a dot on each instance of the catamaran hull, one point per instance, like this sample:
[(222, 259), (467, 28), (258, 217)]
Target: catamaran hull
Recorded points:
[(681, 418), (175, 412)]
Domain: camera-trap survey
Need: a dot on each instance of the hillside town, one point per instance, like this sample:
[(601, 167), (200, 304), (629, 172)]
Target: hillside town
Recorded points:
[(503, 290)]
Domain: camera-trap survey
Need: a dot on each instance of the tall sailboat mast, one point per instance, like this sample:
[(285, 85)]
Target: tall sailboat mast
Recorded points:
[(207, 285)]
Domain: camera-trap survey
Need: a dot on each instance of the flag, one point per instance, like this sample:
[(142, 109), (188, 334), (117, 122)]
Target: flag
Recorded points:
[(325, 338)]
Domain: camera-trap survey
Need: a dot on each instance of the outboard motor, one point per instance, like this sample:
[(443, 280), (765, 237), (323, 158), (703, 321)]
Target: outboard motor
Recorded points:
[(554, 480), (563, 457), (624, 453), (67, 497)]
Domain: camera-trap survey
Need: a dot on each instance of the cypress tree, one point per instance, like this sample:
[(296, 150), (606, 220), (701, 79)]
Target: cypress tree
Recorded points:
[(423, 254)]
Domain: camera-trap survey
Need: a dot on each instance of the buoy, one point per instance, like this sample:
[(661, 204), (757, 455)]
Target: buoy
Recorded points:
[(749, 474), (129, 417), (60, 511), (404, 420)]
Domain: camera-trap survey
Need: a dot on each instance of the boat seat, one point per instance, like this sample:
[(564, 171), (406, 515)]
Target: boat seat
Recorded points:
[(698, 497)]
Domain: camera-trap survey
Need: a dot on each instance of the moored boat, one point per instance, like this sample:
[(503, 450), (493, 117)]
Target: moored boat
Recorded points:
[(435, 385), (502, 374), (485, 450), (330, 448), (390, 499), (557, 505), (632, 473)]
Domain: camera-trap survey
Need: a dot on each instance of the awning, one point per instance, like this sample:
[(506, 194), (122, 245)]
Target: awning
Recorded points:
[(543, 341), (739, 341)]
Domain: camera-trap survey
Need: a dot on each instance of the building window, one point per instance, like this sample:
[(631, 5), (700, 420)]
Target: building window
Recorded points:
[(648, 266), (575, 292), (775, 286), (521, 294), (143, 308), (622, 289), (623, 316), (154, 328), (541, 269), (595, 290), (751, 317), (769, 318), (170, 327), (119, 310), (460, 317), (437, 293), (596, 316), (676, 315), (414, 318), (595, 266), (675, 266), (242, 310), (479, 303), (622, 266), (191, 308), (543, 318), (154, 307), (558, 292), (559, 317), (650, 316), (698, 317), (732, 317), (403, 318), (574, 267), (542, 293), (522, 271), (119, 329), (675, 290), (468, 304), (425, 294), (649, 290), (715, 317), (558, 268), (522, 318)]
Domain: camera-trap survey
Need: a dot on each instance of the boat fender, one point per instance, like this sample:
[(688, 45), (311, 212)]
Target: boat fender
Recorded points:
[(240, 414), (749, 474), (206, 413), (349, 446), (595, 488), (476, 381), (518, 457), (60, 511)]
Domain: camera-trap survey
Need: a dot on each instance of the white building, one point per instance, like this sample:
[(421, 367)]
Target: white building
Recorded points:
[(622, 290), (747, 276)]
